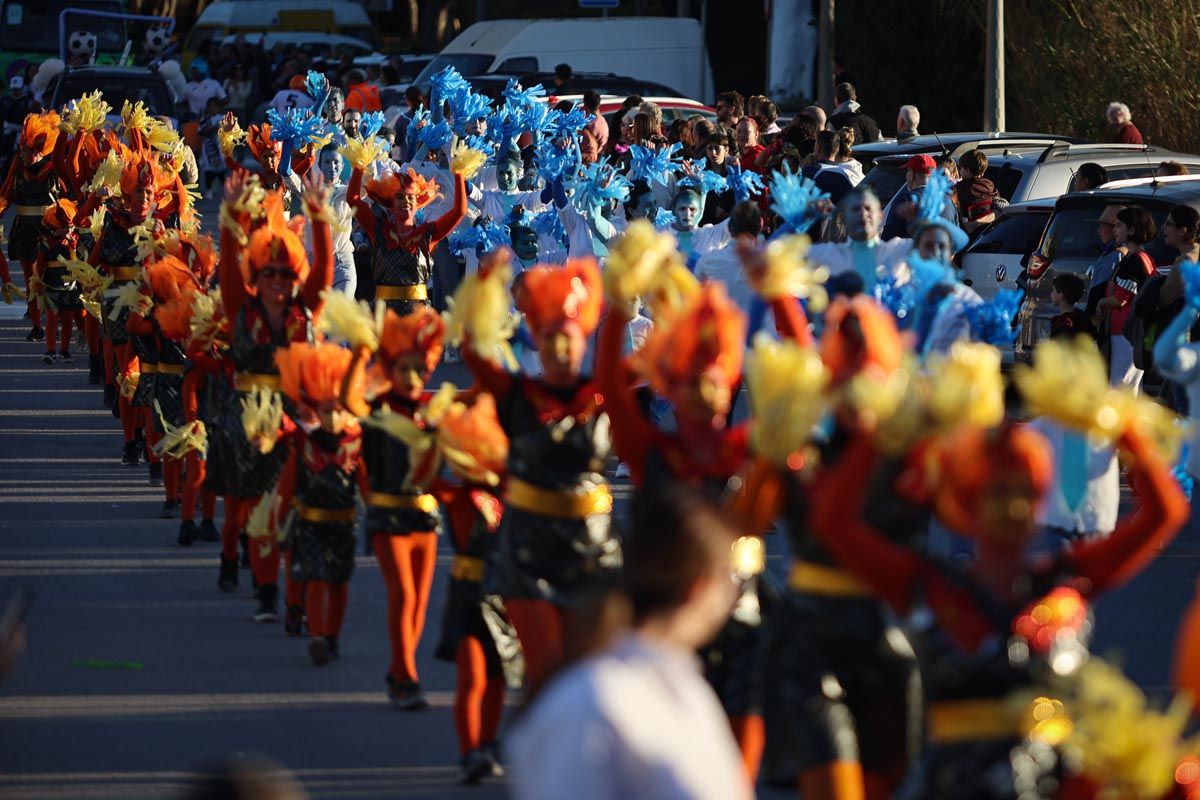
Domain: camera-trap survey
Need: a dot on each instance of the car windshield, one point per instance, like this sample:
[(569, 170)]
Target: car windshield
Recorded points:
[(1072, 233), (465, 63), (1016, 233), (32, 27), (886, 180), (1006, 177), (119, 88)]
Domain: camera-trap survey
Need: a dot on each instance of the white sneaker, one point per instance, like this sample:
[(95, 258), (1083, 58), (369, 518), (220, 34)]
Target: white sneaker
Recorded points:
[(622, 470)]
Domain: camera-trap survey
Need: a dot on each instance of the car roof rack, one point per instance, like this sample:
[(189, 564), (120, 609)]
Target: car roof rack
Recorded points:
[(1060, 150), (1127, 183)]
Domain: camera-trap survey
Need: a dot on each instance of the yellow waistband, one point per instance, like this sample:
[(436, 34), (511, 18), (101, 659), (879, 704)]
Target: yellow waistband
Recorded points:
[(125, 273), (250, 381), (413, 502), (147, 368), (387, 292), (972, 720), (557, 503), (813, 578), (31, 211), (170, 369), (325, 514), (466, 568)]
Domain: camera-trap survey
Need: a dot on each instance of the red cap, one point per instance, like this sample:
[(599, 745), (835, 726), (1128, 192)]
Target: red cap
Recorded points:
[(297, 83), (922, 165)]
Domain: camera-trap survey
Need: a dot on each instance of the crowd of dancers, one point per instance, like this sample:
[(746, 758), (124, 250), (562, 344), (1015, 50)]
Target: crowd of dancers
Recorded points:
[(879, 420)]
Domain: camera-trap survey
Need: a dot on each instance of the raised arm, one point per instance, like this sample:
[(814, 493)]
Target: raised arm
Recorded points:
[(346, 395), (449, 221), (320, 274), (1138, 538), (487, 373), (632, 433), (1174, 356), (229, 274), (89, 207), (363, 214), (791, 320)]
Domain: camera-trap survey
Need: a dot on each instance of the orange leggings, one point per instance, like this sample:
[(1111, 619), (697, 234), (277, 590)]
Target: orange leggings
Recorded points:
[(236, 513), (265, 558), (294, 590), (54, 319), (478, 697), (193, 483), (539, 625), (325, 605), (844, 780), (750, 732), (407, 562)]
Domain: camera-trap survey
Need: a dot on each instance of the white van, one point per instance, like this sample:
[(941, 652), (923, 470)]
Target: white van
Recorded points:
[(664, 50), (231, 17)]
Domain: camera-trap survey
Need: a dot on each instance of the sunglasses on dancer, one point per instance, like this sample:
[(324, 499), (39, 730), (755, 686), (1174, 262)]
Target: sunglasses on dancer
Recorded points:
[(271, 273)]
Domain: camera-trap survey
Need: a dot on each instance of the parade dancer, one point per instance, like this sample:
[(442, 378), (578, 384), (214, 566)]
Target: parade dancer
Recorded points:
[(992, 480), (556, 540), (31, 187), (320, 480), (59, 294), (387, 214), (270, 294), (403, 521)]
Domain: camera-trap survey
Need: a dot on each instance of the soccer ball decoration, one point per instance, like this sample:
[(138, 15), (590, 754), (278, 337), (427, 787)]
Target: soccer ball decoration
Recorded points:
[(157, 40), (82, 44)]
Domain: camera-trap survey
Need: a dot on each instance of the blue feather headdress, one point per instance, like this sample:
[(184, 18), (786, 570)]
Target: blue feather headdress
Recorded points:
[(654, 166), (793, 197), (992, 322)]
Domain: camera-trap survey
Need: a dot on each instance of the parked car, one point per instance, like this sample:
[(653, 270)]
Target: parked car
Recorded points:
[(118, 85), (218, 20), (493, 84), (1071, 243), (312, 43), (953, 143), (672, 108), (996, 256)]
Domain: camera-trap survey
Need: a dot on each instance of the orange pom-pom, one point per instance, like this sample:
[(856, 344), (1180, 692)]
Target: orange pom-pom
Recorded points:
[(383, 190), (477, 445), (168, 278), (312, 373), (60, 215), (258, 139), (39, 132), (175, 316), (859, 336)]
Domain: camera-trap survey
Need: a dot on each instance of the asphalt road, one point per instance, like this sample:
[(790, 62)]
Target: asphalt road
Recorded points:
[(138, 670)]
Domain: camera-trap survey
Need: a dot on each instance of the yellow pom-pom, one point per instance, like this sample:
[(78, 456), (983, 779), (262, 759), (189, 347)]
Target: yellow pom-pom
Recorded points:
[(262, 416), (344, 319), (481, 310), (108, 175), (966, 386), (639, 262), (786, 271), (786, 383), (362, 153), (230, 138), (466, 161)]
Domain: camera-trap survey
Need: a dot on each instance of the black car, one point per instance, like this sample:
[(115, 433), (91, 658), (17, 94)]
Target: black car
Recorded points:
[(118, 84)]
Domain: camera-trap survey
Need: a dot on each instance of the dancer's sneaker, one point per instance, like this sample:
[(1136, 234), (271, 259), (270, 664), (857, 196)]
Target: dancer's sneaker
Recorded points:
[(293, 622), (406, 695), (228, 580), (492, 751), (475, 767), (130, 457), (65, 357), (155, 473), (268, 610), (170, 509), (95, 369), (36, 334), (208, 531), (188, 533), (319, 651), (48, 357)]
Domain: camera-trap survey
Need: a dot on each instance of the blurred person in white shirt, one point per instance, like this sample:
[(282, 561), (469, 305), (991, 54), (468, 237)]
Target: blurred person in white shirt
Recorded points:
[(637, 719)]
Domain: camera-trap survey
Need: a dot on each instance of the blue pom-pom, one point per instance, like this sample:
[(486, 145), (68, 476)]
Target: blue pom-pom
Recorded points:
[(412, 135), (900, 299), (316, 85), (601, 182), (1190, 271), (663, 219), (553, 161), (745, 183), (1181, 474), (436, 136), (548, 224), (448, 84), (517, 97), (654, 166), (992, 322), (793, 197), (371, 122), (466, 107)]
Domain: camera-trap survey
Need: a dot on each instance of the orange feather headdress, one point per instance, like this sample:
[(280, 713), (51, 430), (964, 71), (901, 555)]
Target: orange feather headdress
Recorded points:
[(383, 190), (312, 374), (60, 215), (194, 249), (258, 139), (420, 332), (972, 461), (551, 296), (275, 242), (703, 340), (39, 132), (175, 315), (141, 172), (168, 278), (475, 446), (859, 336)]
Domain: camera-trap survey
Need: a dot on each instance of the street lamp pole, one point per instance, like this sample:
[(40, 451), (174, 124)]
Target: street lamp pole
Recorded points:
[(993, 95), (825, 55)]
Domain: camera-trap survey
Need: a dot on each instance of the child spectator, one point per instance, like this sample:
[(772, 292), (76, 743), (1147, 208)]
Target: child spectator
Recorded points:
[(1070, 321), (977, 196)]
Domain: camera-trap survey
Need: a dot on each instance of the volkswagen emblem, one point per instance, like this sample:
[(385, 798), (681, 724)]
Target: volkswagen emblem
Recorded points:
[(1001, 273)]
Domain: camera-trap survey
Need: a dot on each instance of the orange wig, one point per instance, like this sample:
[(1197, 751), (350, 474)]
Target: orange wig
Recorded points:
[(383, 190), (859, 336), (258, 139), (551, 296), (39, 132), (475, 445), (275, 242), (312, 373), (61, 215), (175, 315), (420, 332), (704, 339), (972, 462)]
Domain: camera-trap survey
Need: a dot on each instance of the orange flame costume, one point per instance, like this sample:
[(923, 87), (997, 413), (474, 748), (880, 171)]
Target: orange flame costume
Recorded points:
[(552, 297)]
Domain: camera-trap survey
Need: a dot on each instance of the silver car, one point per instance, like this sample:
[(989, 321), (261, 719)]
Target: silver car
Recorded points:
[(994, 258)]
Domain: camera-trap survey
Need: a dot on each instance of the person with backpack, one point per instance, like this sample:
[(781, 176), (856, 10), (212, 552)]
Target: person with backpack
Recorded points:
[(1133, 229)]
